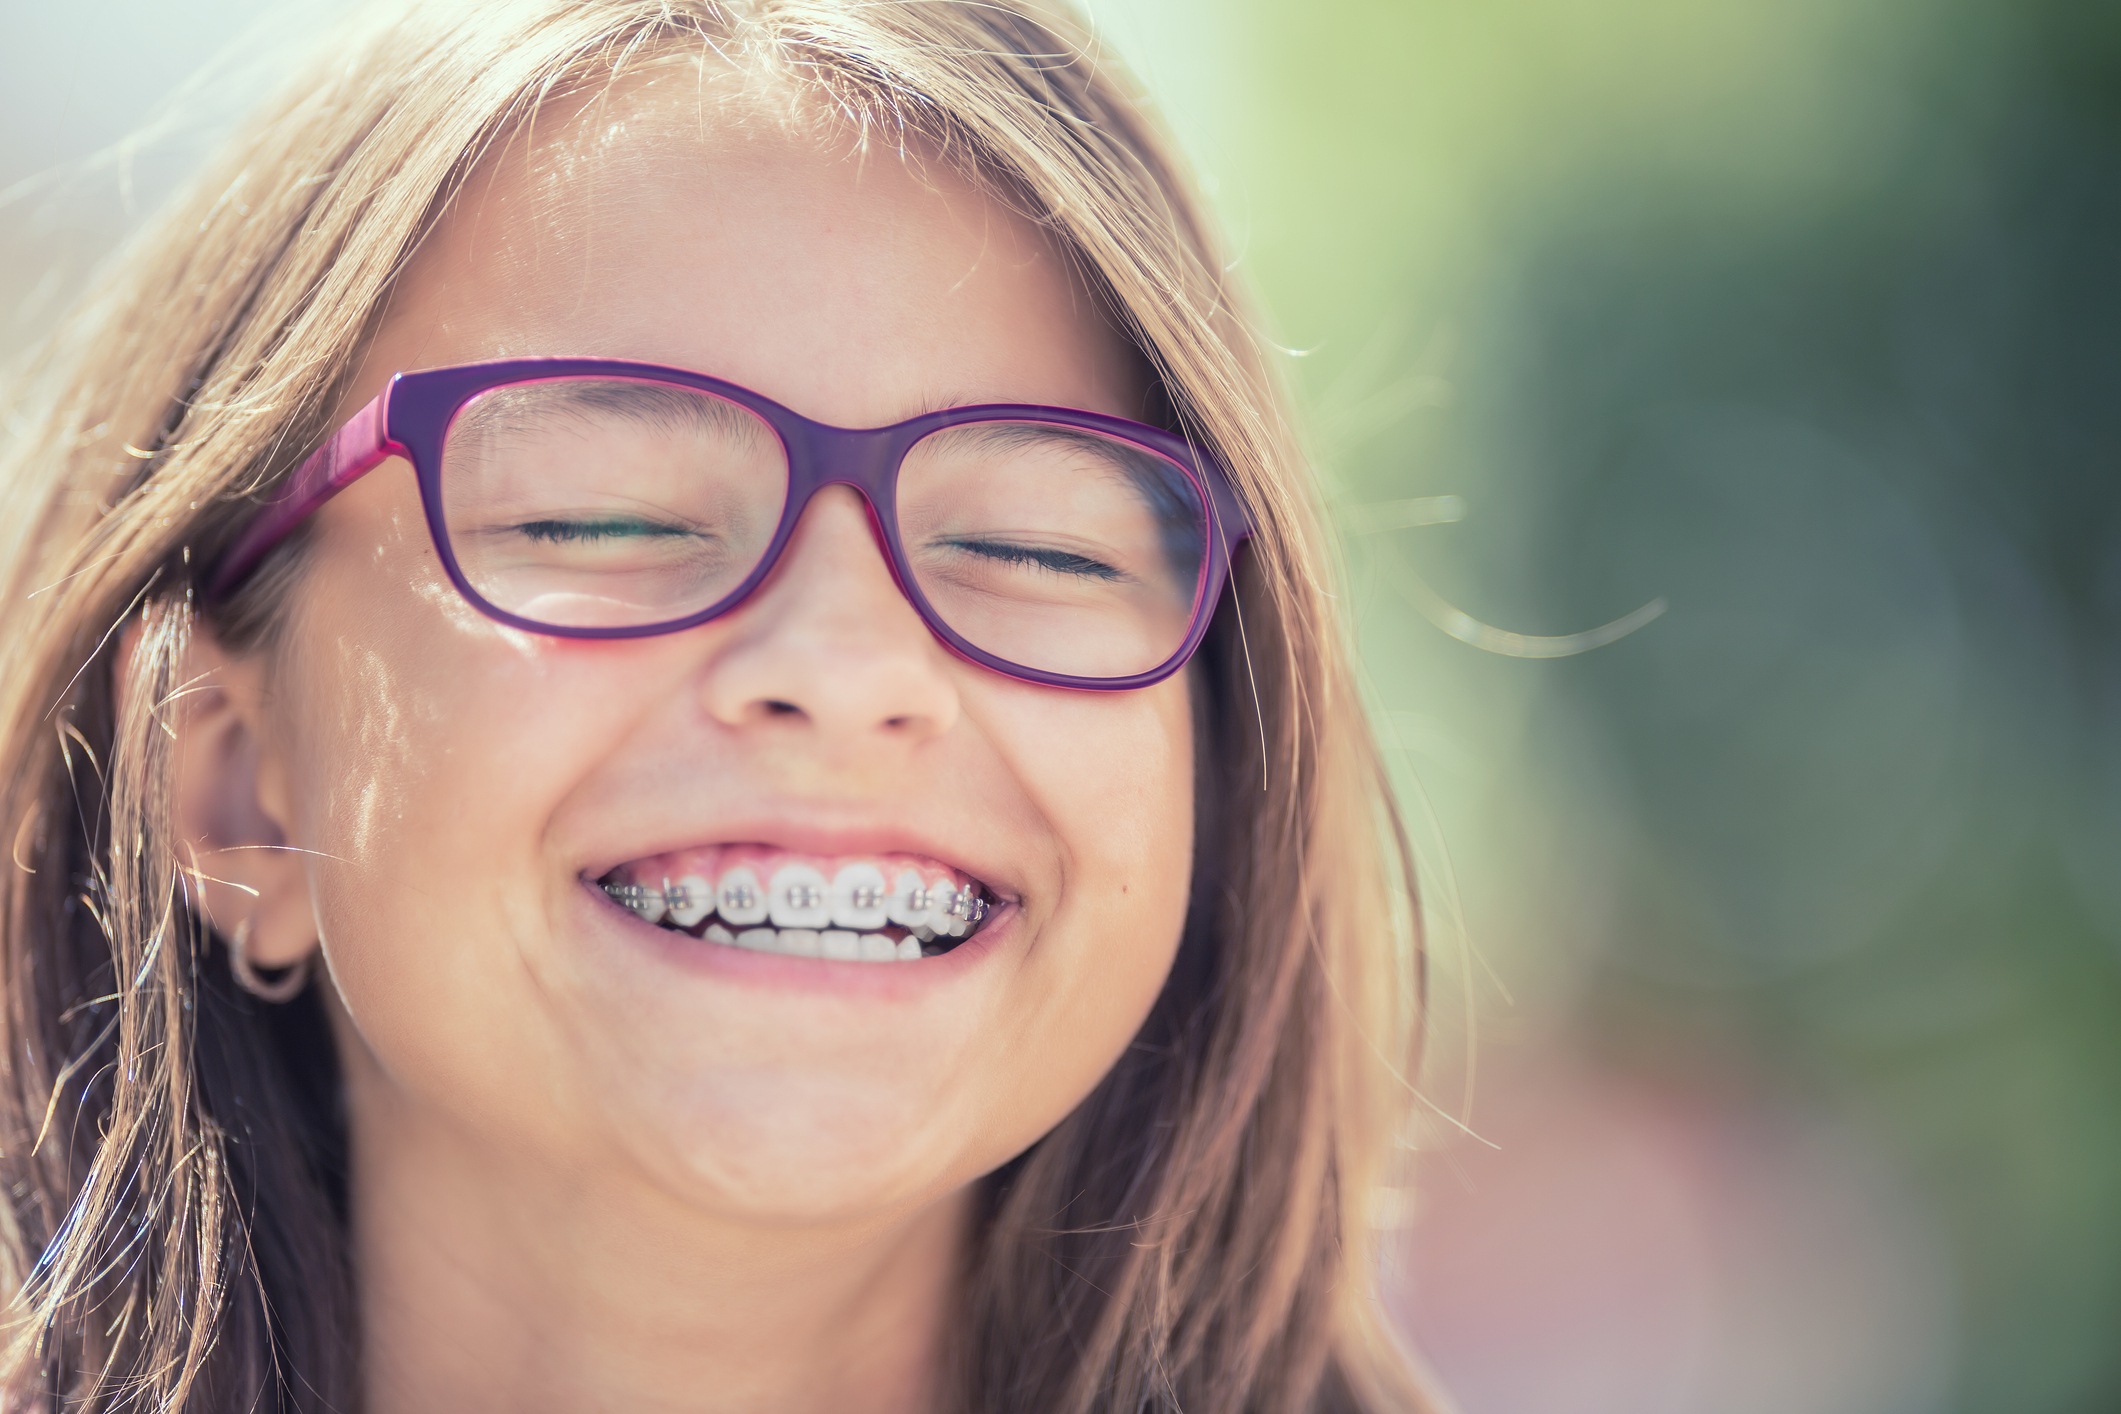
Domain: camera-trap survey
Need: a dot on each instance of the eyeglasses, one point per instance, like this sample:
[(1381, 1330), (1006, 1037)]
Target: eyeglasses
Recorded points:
[(590, 498)]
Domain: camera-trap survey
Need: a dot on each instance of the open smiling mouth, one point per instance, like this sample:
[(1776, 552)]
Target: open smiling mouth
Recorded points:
[(865, 908)]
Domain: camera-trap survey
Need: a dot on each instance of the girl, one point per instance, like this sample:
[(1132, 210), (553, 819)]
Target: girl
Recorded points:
[(676, 742)]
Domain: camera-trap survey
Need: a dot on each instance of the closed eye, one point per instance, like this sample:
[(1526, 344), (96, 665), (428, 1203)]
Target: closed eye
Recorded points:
[(1058, 561), (562, 532)]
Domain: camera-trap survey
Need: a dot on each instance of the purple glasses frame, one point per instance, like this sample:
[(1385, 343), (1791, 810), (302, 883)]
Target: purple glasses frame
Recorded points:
[(411, 417)]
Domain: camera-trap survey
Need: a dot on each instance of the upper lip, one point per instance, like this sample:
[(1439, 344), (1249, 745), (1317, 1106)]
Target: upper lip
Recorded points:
[(799, 836)]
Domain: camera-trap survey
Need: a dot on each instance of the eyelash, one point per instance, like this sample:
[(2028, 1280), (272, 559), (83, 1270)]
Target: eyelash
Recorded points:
[(559, 532), (1058, 561)]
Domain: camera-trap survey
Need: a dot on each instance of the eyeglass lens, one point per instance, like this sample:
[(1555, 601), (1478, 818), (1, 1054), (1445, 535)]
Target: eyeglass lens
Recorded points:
[(606, 503)]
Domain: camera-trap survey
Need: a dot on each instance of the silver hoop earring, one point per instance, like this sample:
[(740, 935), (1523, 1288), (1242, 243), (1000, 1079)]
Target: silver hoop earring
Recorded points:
[(285, 988)]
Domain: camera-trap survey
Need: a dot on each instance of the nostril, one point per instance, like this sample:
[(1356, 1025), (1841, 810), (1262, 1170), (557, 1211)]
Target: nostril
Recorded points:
[(782, 709)]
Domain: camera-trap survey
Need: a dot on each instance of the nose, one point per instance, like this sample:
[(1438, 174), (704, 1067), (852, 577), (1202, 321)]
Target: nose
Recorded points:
[(828, 644)]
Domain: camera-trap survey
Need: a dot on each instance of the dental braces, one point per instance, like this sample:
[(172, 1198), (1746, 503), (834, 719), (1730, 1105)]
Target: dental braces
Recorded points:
[(964, 904)]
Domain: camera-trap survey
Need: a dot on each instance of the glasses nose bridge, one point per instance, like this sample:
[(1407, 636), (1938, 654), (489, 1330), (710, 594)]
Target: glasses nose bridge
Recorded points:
[(865, 459), (862, 458)]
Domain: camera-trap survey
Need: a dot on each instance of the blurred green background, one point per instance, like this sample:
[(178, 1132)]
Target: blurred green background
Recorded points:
[(1792, 922), (1777, 1063)]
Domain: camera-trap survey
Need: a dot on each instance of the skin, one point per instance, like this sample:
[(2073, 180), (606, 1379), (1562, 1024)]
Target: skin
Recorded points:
[(588, 1174)]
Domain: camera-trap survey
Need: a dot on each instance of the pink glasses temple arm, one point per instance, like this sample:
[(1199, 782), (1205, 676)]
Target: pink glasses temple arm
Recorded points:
[(358, 447)]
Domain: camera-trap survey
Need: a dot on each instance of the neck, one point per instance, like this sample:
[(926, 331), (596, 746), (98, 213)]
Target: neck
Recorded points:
[(496, 1285)]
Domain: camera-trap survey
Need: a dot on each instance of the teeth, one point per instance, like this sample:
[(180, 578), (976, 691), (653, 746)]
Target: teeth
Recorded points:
[(838, 944), (858, 898), (647, 903), (739, 899), (908, 904), (690, 898), (799, 898), (948, 917), (799, 913)]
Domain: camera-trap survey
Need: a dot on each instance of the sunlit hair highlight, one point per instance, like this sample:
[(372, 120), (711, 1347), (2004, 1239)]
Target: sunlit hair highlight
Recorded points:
[(1195, 1236)]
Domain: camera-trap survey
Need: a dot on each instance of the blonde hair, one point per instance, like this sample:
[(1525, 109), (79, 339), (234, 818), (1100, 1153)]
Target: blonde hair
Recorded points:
[(1195, 1235)]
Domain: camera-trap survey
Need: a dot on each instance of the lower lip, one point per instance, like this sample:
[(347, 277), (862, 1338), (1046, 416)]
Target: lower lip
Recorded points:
[(883, 981)]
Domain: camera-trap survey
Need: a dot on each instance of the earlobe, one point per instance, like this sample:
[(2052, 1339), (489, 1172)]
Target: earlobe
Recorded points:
[(231, 823)]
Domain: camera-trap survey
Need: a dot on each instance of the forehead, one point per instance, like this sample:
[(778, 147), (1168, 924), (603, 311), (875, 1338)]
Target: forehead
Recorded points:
[(707, 220)]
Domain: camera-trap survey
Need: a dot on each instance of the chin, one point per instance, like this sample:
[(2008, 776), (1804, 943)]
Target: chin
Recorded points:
[(808, 1148)]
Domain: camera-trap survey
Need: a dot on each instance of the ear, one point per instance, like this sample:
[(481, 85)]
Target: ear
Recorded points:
[(231, 806)]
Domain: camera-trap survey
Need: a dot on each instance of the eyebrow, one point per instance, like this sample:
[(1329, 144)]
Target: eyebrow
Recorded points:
[(1019, 433), (949, 400), (658, 405), (944, 402)]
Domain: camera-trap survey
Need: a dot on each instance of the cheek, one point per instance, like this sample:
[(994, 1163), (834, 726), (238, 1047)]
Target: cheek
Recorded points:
[(1121, 797), (424, 752), (1113, 778), (1111, 773)]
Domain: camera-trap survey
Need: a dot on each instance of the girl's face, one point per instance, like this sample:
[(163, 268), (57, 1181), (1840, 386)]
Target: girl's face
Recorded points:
[(462, 788)]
